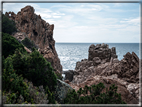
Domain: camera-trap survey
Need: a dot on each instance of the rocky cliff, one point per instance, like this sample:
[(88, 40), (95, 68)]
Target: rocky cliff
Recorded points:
[(30, 25), (103, 66)]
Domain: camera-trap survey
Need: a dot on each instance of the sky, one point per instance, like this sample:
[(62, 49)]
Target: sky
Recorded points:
[(88, 22)]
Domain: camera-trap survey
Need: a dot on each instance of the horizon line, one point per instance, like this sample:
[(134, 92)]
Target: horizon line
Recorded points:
[(98, 42)]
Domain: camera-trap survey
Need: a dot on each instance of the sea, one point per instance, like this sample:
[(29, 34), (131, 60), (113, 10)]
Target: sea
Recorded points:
[(70, 53)]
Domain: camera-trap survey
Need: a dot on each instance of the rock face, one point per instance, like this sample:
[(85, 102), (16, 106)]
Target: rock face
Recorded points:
[(69, 75), (61, 90), (103, 66), (101, 51), (38, 31)]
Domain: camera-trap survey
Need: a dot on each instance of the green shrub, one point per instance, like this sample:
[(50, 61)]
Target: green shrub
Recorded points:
[(10, 44), (17, 90), (35, 68), (93, 95), (8, 26), (11, 81), (28, 43), (59, 76)]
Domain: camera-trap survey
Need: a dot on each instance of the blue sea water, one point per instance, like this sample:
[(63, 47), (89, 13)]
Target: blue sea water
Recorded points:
[(70, 53)]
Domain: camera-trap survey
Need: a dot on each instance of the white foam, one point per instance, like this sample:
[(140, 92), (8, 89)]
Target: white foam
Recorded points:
[(65, 69)]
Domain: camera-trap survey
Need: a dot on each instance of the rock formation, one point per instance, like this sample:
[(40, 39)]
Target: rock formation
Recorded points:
[(61, 91), (38, 31), (103, 66)]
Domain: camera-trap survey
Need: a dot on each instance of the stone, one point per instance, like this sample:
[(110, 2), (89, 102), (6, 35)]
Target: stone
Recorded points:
[(96, 61), (69, 75), (103, 66), (62, 89), (39, 31), (102, 51), (125, 94)]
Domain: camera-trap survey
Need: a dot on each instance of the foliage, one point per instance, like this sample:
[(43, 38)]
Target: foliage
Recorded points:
[(12, 81), (17, 90), (29, 44), (35, 68), (8, 26), (59, 76), (10, 44), (93, 95)]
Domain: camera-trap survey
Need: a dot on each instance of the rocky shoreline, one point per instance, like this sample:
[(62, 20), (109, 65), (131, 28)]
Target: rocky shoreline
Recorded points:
[(103, 66)]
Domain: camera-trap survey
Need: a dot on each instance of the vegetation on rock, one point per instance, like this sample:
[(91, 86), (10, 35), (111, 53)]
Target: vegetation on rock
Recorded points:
[(16, 90), (8, 26), (10, 44), (35, 68), (93, 95), (28, 43)]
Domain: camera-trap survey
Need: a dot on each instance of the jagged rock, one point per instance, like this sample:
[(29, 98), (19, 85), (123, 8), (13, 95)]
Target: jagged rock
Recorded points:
[(129, 68), (38, 31), (69, 75), (96, 61), (61, 91), (102, 65), (102, 51), (107, 81)]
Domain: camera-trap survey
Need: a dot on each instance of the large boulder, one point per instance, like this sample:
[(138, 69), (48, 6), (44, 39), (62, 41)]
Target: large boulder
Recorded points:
[(61, 91), (102, 51), (69, 75), (39, 31)]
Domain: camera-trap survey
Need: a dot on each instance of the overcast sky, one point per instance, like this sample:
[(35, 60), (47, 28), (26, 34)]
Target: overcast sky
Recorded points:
[(88, 22)]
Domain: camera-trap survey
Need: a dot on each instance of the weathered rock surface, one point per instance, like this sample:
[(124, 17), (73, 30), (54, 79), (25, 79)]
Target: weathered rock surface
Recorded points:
[(61, 90), (69, 74), (103, 66), (107, 81), (38, 31), (102, 51)]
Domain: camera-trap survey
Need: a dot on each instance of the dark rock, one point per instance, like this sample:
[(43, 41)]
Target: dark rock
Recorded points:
[(69, 75), (102, 51), (96, 61), (61, 91)]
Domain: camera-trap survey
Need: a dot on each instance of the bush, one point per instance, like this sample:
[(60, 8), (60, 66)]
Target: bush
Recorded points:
[(10, 44), (29, 44), (93, 95), (8, 26), (17, 90), (12, 82), (35, 68)]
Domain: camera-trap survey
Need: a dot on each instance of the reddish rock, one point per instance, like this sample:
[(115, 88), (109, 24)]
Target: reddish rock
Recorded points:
[(102, 51), (125, 94), (103, 66), (38, 31)]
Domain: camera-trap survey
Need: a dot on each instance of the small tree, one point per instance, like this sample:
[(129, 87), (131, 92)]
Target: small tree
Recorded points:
[(93, 95), (10, 44), (8, 26)]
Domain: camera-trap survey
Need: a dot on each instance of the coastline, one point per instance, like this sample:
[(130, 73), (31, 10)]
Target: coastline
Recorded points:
[(102, 67)]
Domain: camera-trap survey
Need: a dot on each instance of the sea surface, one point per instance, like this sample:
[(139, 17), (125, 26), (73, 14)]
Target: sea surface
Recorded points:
[(70, 53)]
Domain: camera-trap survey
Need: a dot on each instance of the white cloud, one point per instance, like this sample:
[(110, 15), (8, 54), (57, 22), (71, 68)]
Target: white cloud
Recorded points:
[(134, 21), (56, 16), (87, 22)]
